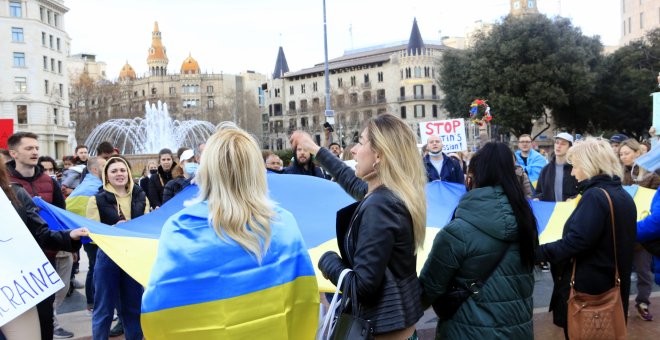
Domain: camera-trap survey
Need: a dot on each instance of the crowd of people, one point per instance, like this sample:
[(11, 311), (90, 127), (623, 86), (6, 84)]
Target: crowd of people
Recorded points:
[(488, 251)]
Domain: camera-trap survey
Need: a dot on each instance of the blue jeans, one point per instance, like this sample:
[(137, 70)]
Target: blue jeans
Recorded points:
[(112, 285), (91, 250)]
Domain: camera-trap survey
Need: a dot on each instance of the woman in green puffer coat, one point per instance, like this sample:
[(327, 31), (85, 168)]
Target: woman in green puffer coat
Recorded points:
[(488, 246)]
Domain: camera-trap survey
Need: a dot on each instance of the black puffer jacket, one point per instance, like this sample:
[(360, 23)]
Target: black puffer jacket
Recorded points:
[(106, 202), (380, 248), (157, 184), (587, 237), (174, 187), (46, 238)]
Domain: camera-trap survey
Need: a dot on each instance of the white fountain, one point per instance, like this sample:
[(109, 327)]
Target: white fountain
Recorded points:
[(148, 135)]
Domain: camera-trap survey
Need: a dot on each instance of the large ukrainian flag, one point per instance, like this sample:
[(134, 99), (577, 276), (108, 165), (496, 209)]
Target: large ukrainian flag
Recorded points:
[(206, 287), (314, 203)]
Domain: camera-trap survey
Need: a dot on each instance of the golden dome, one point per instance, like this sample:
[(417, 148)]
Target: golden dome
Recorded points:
[(127, 72), (190, 66)]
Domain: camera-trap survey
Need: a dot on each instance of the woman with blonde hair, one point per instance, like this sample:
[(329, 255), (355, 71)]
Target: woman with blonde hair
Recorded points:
[(379, 235), (229, 248), (587, 240), (629, 151)]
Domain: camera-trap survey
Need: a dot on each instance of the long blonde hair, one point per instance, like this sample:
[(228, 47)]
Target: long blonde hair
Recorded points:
[(400, 168), (232, 179)]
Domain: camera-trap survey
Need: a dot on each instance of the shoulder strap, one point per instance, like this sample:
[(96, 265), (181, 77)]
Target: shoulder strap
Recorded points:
[(497, 263), (617, 278)]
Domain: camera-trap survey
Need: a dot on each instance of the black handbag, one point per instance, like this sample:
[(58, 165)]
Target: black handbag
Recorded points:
[(350, 325), (447, 304)]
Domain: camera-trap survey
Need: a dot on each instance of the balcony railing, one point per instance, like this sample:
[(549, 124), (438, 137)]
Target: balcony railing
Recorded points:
[(418, 97)]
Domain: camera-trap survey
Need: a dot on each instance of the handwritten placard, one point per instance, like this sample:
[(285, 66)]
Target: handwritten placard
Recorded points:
[(27, 277), (451, 131)]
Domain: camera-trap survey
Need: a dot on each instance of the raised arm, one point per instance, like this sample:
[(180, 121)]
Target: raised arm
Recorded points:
[(344, 174)]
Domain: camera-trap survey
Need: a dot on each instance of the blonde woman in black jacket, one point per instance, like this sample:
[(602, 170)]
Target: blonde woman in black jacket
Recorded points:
[(379, 235)]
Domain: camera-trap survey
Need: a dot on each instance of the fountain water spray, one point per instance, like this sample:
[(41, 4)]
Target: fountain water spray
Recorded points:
[(147, 135)]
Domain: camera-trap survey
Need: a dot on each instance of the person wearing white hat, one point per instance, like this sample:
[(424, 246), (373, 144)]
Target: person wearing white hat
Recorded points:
[(556, 184), (182, 174)]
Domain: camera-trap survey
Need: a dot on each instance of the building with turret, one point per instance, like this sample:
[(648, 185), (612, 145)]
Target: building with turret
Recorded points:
[(399, 78), (188, 92), (524, 7), (34, 80)]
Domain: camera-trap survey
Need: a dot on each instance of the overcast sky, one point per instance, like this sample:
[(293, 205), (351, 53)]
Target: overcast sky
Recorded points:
[(233, 36)]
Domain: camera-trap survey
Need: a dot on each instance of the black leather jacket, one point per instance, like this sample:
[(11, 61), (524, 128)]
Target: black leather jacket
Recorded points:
[(376, 240), (46, 238)]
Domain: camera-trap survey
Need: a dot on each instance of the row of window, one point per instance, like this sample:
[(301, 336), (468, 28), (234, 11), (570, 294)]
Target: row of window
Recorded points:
[(19, 61), (628, 23), (418, 92), (187, 89), (22, 115), (45, 15), (419, 111), (429, 72), (340, 100), (340, 83), (48, 16), (57, 45), (366, 80), (52, 65), (18, 35), (193, 103), (20, 86)]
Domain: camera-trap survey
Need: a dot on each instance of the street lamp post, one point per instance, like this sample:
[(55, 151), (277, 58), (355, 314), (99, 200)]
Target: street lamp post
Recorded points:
[(329, 114)]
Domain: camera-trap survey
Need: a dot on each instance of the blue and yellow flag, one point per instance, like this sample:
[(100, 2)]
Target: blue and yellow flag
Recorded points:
[(77, 201), (206, 287), (314, 203)]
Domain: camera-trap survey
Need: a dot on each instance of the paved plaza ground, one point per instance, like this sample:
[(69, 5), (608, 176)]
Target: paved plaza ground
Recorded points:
[(73, 316)]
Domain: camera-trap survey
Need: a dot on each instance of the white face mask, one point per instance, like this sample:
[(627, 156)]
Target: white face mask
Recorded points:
[(435, 154)]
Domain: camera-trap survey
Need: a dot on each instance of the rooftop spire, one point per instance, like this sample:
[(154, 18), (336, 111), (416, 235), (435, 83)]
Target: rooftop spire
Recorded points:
[(157, 58), (415, 43), (281, 66)]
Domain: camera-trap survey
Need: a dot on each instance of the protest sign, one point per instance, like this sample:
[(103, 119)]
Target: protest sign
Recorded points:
[(451, 131), (27, 276)]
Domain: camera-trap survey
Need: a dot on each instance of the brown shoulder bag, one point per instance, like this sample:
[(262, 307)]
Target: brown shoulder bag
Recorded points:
[(597, 317)]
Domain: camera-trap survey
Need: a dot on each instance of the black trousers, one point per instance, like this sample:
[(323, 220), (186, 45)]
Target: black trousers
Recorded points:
[(45, 311)]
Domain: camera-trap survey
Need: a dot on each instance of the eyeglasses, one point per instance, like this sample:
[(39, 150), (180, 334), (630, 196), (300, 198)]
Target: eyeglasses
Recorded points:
[(524, 142)]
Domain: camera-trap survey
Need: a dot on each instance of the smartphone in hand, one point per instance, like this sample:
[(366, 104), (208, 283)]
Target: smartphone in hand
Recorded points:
[(328, 127)]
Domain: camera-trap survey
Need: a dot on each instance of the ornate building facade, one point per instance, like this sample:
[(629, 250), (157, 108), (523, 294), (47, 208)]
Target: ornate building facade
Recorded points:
[(189, 94), (401, 79)]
